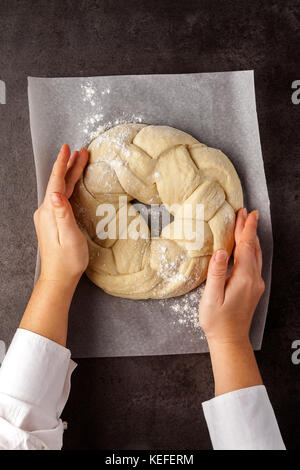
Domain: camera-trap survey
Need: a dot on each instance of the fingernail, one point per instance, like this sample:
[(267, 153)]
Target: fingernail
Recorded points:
[(221, 256), (257, 215), (244, 212), (56, 199)]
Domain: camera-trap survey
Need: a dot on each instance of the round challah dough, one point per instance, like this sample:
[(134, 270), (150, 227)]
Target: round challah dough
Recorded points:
[(154, 165)]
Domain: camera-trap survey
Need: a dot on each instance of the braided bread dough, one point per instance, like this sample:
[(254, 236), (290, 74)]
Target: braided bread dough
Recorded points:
[(155, 165)]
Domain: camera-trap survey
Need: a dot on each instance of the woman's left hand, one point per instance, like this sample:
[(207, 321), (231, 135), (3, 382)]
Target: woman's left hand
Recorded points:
[(63, 247)]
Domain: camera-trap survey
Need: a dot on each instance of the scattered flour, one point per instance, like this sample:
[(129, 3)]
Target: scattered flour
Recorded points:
[(185, 308), (88, 93), (94, 123)]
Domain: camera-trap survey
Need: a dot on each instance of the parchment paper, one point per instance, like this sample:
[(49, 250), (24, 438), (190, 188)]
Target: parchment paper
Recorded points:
[(216, 108)]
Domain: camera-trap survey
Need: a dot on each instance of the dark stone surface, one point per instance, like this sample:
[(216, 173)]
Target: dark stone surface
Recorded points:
[(155, 402)]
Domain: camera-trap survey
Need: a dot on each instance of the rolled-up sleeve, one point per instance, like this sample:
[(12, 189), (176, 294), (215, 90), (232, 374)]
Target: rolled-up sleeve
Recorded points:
[(34, 387), (243, 420)]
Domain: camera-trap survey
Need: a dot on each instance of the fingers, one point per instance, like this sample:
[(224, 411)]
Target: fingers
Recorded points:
[(240, 224), (216, 278), (72, 159), (245, 252), (66, 171), (65, 220), (245, 233), (57, 177), (75, 170), (250, 228), (248, 254)]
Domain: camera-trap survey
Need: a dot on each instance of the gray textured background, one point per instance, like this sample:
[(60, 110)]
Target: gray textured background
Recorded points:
[(155, 402)]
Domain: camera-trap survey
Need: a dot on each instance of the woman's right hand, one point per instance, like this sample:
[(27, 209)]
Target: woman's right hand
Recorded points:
[(227, 305)]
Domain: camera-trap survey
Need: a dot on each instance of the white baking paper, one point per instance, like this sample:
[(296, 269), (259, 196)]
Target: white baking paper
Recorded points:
[(219, 110)]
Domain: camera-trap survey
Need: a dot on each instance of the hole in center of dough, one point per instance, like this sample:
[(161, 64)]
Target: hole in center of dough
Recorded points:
[(156, 216)]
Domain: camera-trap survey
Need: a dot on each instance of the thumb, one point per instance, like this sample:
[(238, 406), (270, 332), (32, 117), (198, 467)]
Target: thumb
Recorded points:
[(216, 277), (64, 217)]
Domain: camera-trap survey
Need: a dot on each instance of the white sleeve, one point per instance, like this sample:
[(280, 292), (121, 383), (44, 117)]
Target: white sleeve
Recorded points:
[(243, 420), (34, 387)]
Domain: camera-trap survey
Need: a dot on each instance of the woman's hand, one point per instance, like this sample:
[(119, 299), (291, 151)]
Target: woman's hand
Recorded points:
[(227, 306), (63, 250), (63, 247)]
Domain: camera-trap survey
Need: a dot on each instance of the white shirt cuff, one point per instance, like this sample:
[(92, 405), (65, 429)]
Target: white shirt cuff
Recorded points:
[(243, 420), (34, 386)]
